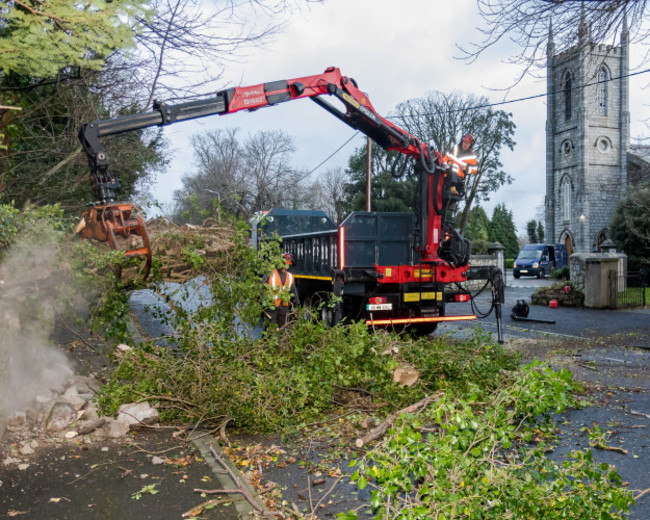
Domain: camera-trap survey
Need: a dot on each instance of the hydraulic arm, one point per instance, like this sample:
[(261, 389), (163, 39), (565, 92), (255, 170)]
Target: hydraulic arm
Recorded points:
[(106, 219)]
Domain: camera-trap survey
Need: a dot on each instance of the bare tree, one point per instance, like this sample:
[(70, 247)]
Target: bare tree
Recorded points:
[(185, 44), (528, 23), (270, 181), (241, 178), (327, 193), (443, 118)]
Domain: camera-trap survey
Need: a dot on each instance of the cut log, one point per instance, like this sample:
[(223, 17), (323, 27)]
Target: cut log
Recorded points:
[(383, 427)]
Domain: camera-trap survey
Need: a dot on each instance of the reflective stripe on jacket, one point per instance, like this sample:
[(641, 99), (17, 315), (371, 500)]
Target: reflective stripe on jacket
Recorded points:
[(462, 165), (277, 286)]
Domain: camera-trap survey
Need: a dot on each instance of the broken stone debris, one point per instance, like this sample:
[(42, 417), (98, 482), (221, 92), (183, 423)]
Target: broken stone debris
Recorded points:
[(68, 414)]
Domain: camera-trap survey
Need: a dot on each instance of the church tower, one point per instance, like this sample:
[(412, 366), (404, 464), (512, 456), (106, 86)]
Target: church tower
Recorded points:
[(587, 139)]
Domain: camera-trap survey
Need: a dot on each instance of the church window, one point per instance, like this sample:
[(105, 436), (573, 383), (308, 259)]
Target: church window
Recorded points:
[(566, 199), (567, 96), (601, 93), (603, 144)]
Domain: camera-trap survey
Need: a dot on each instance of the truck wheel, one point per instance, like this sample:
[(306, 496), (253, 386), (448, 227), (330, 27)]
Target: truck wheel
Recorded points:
[(330, 316)]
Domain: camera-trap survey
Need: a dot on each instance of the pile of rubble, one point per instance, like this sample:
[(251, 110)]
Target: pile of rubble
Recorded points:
[(68, 414)]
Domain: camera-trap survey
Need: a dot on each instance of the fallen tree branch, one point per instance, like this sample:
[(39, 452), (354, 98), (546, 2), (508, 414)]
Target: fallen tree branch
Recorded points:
[(222, 430), (244, 491), (379, 430), (197, 510), (642, 493), (216, 491), (611, 448)]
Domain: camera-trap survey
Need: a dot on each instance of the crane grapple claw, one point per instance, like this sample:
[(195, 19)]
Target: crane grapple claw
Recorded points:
[(123, 227)]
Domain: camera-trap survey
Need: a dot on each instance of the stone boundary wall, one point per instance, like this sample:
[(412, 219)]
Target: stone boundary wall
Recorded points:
[(480, 261), (578, 267), (592, 273)]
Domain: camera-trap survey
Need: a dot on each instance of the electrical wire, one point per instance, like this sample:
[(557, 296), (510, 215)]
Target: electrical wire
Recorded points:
[(528, 98), (487, 105), (327, 158)]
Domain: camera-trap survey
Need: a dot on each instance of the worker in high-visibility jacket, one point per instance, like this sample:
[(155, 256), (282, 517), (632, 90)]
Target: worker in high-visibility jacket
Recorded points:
[(463, 159), (282, 285)]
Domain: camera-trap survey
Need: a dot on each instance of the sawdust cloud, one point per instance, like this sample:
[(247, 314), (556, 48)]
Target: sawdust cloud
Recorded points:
[(31, 287)]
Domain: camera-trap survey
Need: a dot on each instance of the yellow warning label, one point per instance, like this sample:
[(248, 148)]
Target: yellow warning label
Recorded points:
[(415, 297)]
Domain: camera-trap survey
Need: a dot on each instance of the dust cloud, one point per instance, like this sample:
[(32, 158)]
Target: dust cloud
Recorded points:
[(32, 285)]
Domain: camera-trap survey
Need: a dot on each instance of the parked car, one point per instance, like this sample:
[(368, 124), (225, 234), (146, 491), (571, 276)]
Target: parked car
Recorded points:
[(540, 260)]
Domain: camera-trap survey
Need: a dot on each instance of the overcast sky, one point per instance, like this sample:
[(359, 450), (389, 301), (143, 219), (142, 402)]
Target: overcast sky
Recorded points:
[(395, 51)]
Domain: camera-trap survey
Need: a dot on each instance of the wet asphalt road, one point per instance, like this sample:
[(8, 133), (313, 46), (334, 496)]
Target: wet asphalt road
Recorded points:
[(609, 350)]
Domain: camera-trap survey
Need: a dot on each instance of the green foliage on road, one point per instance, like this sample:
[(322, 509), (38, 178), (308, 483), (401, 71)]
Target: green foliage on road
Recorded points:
[(477, 452), (468, 457), (213, 370)]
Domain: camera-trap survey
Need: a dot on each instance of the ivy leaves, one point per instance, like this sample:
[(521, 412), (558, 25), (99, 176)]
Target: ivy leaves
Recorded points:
[(476, 461)]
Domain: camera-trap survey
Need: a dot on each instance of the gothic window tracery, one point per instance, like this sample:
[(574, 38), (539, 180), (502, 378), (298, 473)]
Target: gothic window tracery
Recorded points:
[(565, 194), (602, 91), (568, 96)]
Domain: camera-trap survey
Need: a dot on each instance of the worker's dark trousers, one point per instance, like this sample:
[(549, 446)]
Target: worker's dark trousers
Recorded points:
[(278, 316)]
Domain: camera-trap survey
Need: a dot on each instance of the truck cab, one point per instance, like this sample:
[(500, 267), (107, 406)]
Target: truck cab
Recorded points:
[(539, 260)]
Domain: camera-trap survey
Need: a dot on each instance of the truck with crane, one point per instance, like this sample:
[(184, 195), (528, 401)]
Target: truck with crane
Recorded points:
[(396, 270)]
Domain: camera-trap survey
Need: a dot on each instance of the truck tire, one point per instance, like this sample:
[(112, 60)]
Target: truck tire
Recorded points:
[(318, 303)]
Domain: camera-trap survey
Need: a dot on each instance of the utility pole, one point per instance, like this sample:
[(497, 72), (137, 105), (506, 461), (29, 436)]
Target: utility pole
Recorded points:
[(368, 172)]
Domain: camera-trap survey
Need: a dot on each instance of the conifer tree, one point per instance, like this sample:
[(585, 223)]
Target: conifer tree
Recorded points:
[(502, 229), (40, 38)]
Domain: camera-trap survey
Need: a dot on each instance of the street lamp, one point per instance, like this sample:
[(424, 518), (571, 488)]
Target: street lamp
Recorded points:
[(207, 190), (582, 220)]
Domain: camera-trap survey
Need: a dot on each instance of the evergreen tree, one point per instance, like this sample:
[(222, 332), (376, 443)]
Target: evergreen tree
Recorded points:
[(478, 225), (387, 192), (540, 231), (631, 229), (502, 229), (40, 38), (43, 164), (531, 230)]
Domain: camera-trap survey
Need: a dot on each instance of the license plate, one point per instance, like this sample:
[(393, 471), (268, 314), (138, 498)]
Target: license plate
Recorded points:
[(379, 307), (524, 271)]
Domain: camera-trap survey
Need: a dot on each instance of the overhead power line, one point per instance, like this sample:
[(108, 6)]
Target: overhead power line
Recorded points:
[(536, 96), (487, 105)]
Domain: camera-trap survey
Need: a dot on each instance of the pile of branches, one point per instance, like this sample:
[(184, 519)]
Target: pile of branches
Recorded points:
[(185, 251)]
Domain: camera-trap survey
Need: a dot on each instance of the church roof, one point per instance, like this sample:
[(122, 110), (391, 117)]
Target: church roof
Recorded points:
[(638, 160), (640, 151)]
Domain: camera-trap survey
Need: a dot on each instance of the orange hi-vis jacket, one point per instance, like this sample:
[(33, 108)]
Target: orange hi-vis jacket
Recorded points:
[(462, 165), (276, 284)]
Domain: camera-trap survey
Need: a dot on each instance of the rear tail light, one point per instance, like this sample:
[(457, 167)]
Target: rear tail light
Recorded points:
[(462, 297), (377, 299)]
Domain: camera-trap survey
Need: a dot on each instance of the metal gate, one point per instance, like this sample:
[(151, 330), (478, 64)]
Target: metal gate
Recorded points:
[(630, 290)]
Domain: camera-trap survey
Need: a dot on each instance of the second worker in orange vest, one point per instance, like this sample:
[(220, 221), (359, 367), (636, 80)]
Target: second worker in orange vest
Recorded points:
[(283, 289)]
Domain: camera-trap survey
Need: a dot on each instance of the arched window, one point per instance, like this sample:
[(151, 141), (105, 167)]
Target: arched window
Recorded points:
[(568, 96), (565, 192), (601, 92)]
